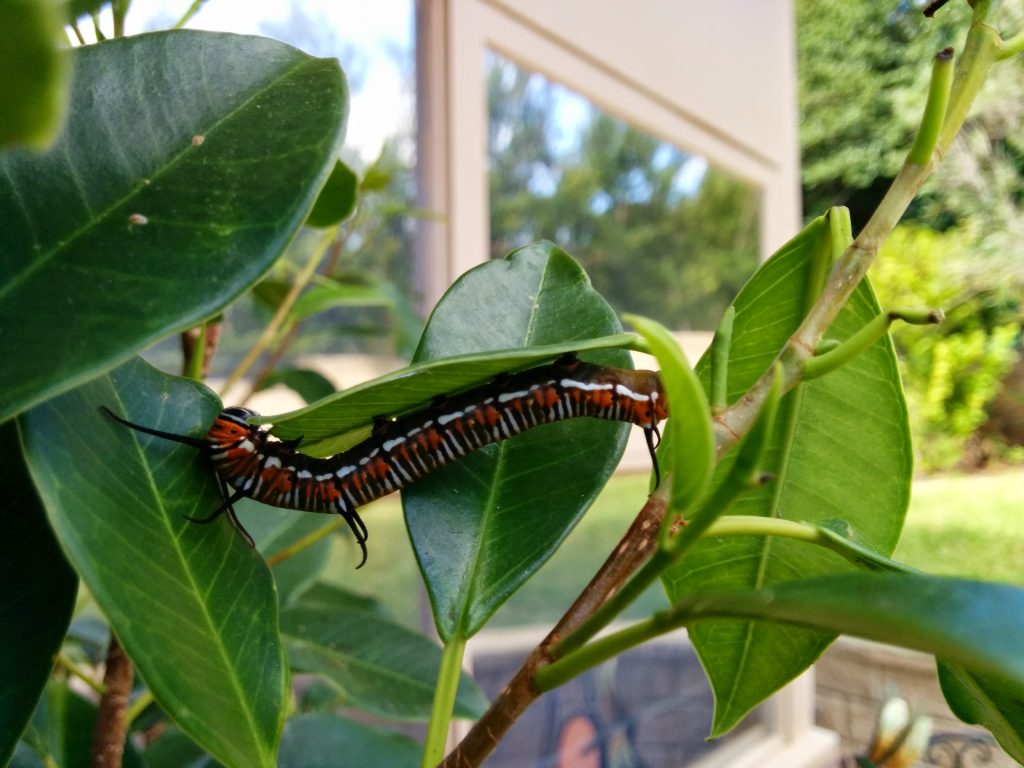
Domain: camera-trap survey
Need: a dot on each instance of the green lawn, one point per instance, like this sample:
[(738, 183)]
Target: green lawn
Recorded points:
[(968, 525)]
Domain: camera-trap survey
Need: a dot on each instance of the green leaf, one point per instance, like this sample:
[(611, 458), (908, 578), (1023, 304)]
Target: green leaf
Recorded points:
[(346, 418), (328, 741), (37, 594), (378, 665), (179, 596), (967, 622), (188, 161), (329, 294), (337, 198), (994, 702), (173, 749), (61, 733), (482, 526), (271, 292), (34, 72), (274, 529), (688, 432), (841, 452), (310, 385)]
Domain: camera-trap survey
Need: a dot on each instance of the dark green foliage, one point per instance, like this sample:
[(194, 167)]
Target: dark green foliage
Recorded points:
[(37, 593)]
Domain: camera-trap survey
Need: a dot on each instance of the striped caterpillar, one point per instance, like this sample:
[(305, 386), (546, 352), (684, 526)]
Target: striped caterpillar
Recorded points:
[(250, 463)]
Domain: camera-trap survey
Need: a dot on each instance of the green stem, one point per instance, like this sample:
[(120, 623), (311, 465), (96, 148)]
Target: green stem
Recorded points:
[(138, 706), (306, 541), (73, 668), (195, 362), (444, 701), (281, 315), (119, 9), (934, 110), (721, 345), (752, 525), (1011, 48), (873, 330), (96, 29), (78, 32), (192, 11), (979, 53), (638, 344), (841, 232)]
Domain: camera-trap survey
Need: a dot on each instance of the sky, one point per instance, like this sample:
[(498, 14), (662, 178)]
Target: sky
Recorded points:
[(372, 39)]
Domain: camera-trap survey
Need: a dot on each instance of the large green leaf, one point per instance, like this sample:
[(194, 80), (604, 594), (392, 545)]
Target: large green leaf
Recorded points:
[(483, 525), (327, 741), (192, 605), (841, 453), (340, 421), (274, 529), (376, 664), (992, 701), (37, 593), (973, 623), (188, 161)]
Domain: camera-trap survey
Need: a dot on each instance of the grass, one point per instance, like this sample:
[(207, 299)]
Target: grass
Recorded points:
[(963, 525), (967, 525)]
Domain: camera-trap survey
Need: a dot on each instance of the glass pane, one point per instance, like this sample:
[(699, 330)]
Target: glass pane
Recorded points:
[(660, 232)]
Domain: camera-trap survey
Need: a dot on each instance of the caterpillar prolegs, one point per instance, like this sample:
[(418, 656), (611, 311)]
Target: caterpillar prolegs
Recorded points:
[(251, 463)]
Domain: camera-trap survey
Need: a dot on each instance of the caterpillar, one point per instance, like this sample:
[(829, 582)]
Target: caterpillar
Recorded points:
[(251, 463)]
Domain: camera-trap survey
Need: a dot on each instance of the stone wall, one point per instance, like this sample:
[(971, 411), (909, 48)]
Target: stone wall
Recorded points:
[(854, 677)]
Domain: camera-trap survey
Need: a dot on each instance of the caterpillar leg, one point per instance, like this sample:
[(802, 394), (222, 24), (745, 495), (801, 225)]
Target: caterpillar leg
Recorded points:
[(358, 528), (227, 506), (653, 437)]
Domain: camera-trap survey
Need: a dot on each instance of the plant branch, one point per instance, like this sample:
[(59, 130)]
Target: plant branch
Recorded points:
[(979, 54), (111, 723), (639, 542), (75, 669), (873, 330), (281, 315), (192, 11), (306, 541)]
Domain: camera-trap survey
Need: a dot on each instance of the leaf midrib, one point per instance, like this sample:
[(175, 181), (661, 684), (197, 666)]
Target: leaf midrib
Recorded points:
[(195, 592)]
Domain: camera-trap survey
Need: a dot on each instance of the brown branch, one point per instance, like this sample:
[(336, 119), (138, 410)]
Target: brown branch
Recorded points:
[(111, 723), (636, 547)]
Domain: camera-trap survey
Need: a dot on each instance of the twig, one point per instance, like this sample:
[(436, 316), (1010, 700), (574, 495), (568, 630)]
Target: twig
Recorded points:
[(111, 723), (632, 552), (281, 315)]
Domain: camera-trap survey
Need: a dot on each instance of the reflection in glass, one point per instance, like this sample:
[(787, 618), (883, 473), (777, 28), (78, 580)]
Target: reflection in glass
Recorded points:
[(660, 231)]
